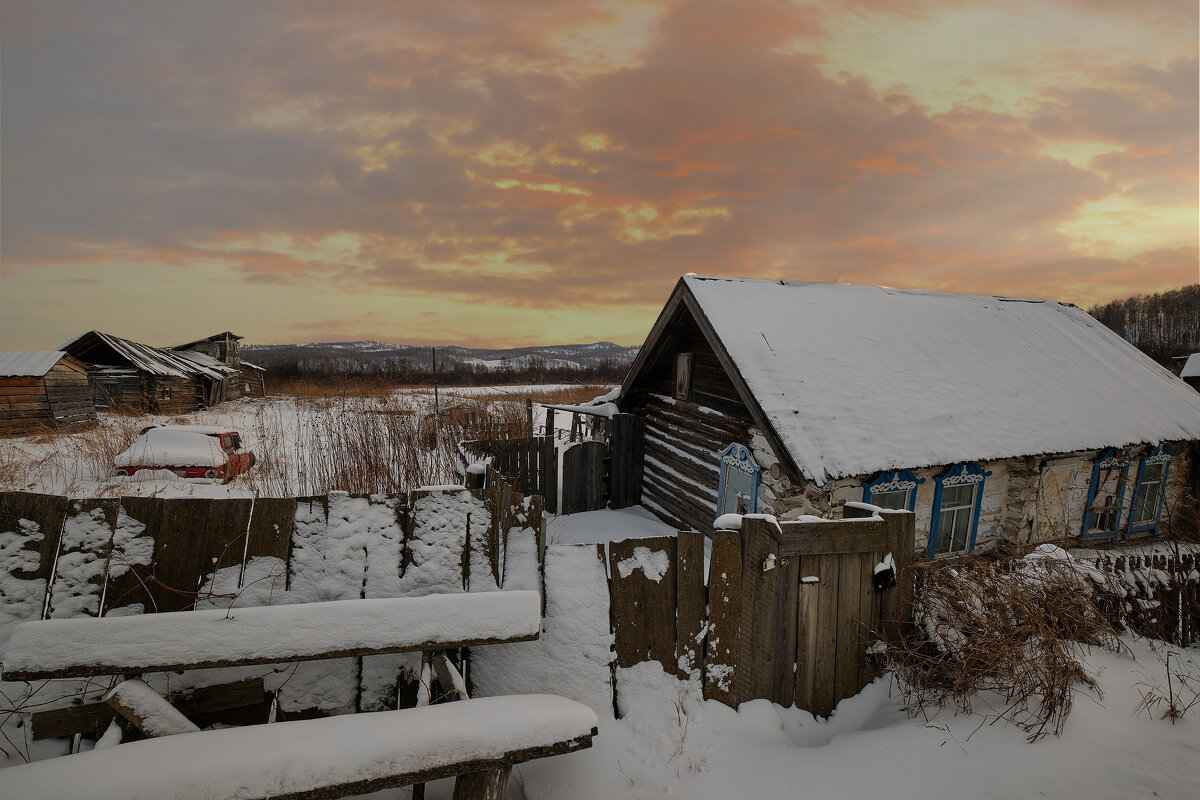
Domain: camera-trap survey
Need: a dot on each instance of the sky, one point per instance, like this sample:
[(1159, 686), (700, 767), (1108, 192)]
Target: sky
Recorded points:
[(543, 171)]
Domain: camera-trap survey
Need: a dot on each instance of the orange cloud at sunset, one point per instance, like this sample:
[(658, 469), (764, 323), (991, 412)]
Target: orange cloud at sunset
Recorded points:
[(536, 171)]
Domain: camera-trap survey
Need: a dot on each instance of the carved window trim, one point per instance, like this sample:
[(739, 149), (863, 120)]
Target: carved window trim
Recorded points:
[(738, 458), (901, 480), (966, 474), (1110, 459), (1160, 455)]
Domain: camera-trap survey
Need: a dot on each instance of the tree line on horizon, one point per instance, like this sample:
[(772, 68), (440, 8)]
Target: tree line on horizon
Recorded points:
[(1162, 325)]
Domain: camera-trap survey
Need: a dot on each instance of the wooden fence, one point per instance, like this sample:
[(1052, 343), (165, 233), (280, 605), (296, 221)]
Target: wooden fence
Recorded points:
[(528, 464), (67, 558), (793, 628), (1160, 599)]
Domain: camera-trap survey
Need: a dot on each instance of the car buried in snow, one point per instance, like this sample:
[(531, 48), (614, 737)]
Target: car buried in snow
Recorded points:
[(188, 451)]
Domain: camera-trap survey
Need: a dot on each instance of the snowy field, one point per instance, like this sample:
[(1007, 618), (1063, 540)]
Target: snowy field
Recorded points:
[(372, 442)]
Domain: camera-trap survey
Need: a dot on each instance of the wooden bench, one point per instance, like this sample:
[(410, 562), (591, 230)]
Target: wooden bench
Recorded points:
[(477, 740)]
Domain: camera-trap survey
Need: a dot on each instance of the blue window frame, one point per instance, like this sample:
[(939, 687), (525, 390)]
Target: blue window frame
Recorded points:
[(1148, 489), (895, 490), (956, 503), (1106, 494), (737, 492)]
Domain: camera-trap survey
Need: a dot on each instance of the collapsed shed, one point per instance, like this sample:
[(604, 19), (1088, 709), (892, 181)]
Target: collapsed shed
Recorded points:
[(245, 379), (43, 390)]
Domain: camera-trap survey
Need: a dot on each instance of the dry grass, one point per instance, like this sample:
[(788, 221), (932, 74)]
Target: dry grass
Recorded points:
[(1017, 628), (67, 458), (369, 445)]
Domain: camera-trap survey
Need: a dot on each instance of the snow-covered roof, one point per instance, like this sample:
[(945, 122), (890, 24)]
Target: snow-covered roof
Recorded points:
[(28, 363), (154, 360), (1191, 367), (207, 362), (858, 379)]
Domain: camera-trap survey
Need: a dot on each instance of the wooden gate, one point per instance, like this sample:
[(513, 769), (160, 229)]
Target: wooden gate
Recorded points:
[(625, 461), (808, 607), (584, 471)]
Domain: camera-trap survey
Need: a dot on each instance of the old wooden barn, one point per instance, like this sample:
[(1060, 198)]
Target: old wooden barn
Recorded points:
[(134, 375), (246, 381), (43, 390), (993, 419)]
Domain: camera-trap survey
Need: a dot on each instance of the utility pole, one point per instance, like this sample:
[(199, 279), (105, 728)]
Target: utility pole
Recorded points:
[(437, 414)]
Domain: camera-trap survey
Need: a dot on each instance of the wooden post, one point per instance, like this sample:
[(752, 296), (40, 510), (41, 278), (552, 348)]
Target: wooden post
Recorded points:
[(488, 785), (896, 613), (550, 422), (529, 414)]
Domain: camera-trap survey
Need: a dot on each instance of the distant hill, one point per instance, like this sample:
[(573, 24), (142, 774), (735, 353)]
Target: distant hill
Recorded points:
[(410, 364)]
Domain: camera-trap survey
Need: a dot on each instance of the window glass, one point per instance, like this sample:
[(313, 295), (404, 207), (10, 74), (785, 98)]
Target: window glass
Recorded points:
[(738, 488), (896, 501), (1149, 489), (954, 521)]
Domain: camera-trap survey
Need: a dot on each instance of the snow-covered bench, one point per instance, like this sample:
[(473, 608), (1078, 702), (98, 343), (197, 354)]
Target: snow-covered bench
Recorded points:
[(477, 740)]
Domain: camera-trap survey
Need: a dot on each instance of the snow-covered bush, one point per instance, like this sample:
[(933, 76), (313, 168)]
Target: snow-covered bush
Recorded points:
[(1013, 630)]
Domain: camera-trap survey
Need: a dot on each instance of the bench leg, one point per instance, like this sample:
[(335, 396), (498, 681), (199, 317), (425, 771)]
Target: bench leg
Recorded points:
[(490, 785)]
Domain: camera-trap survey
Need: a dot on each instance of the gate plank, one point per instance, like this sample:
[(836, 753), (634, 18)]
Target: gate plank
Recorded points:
[(759, 639), (825, 659), (849, 589), (641, 634), (689, 582), (808, 597), (724, 618)]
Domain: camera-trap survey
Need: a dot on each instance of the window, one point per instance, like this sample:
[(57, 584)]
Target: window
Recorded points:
[(893, 490), (683, 376), (737, 492), (1148, 490), (166, 394), (1102, 515), (956, 503)]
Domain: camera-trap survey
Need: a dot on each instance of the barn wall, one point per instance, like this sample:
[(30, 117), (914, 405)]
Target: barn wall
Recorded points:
[(182, 391), (124, 389), (23, 406), (69, 396), (255, 379)]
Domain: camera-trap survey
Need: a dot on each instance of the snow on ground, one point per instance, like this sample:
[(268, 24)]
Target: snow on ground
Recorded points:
[(870, 748), (607, 525)]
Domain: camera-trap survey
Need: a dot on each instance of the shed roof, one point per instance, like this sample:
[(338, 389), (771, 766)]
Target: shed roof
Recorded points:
[(154, 360), (28, 363), (1191, 367), (207, 362), (215, 337), (852, 380)]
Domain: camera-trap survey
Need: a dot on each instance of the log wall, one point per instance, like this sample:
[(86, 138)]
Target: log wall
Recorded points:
[(183, 394), (60, 399), (680, 468)]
